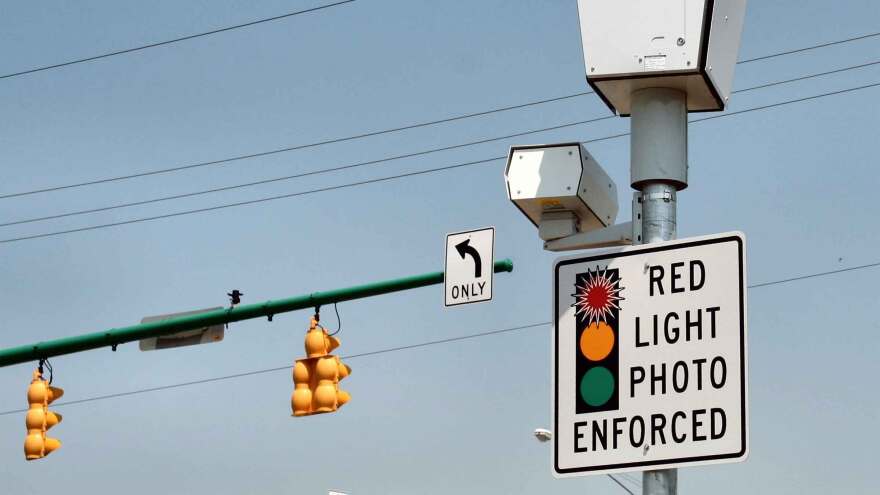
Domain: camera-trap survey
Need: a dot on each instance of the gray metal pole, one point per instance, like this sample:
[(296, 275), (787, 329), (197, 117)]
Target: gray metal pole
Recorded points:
[(658, 169), (660, 482)]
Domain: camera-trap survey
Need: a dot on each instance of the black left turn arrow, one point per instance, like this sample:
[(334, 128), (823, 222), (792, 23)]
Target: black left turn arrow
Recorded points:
[(464, 248)]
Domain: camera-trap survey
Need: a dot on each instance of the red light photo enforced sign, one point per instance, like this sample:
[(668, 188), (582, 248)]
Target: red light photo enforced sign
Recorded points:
[(649, 357)]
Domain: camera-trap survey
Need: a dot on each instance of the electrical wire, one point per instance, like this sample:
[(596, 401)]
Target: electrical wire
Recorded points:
[(280, 368), (632, 479), (804, 49), (290, 148), (175, 40), (302, 174), (338, 320), (45, 362), (814, 275), (748, 110), (621, 485), (372, 133), (387, 159), (250, 202), (789, 102), (393, 177), (411, 346), (810, 76)]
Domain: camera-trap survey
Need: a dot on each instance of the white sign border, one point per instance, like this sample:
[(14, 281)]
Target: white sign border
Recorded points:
[(491, 266), (606, 253)]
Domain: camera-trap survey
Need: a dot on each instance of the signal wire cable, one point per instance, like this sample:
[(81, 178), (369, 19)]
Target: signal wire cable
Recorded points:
[(397, 176), (175, 40), (374, 133), (338, 321), (386, 159), (410, 346)]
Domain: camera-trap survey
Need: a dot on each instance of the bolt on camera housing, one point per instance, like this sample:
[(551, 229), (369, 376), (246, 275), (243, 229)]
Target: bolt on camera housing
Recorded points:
[(688, 45), (561, 189)]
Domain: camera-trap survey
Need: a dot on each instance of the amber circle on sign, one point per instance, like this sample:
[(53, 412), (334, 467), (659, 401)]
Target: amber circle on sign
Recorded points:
[(597, 341)]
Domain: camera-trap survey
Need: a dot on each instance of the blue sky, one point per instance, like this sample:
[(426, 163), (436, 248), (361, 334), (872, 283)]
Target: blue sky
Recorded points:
[(799, 180)]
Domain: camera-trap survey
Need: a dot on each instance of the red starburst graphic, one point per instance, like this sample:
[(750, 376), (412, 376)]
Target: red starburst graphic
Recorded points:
[(597, 296)]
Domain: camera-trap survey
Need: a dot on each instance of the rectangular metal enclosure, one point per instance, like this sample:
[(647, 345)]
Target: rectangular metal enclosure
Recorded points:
[(690, 45), (550, 178)]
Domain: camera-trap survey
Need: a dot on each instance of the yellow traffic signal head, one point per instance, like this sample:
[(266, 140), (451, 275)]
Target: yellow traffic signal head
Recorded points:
[(39, 418), (317, 376), (301, 402), (344, 370), (41, 391), (318, 341)]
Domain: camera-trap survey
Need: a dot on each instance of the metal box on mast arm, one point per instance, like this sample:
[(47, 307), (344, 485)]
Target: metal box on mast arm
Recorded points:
[(560, 188), (690, 45)]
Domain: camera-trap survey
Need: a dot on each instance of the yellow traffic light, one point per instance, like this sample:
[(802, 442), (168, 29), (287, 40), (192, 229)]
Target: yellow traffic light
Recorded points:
[(39, 418), (316, 377)]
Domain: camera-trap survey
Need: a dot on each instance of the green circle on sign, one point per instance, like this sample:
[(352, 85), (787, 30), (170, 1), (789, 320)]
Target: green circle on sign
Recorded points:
[(597, 386)]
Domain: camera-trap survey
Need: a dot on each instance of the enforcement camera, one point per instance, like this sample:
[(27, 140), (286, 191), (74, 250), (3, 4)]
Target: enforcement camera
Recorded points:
[(637, 44), (564, 192)]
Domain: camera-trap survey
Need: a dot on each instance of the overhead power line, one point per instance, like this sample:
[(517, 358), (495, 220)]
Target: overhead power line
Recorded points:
[(809, 76), (289, 148), (814, 275), (321, 7), (175, 40), (373, 133), (788, 102), (381, 160), (397, 176), (250, 202), (411, 346), (808, 48), (303, 174)]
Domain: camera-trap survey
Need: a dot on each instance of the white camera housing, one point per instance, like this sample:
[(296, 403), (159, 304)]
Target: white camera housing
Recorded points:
[(689, 45), (560, 188)]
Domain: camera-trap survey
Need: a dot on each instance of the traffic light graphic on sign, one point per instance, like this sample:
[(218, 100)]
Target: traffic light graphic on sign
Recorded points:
[(316, 377), (597, 311), (39, 418)]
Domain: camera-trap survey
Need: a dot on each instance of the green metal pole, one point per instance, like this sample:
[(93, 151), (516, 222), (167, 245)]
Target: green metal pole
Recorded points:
[(114, 336)]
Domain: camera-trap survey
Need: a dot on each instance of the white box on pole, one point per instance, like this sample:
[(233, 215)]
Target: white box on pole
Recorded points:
[(690, 45), (562, 177)]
